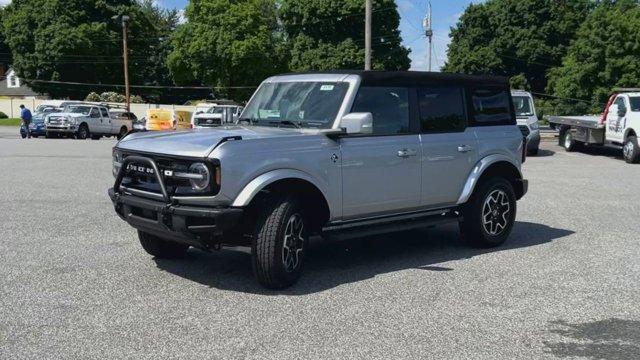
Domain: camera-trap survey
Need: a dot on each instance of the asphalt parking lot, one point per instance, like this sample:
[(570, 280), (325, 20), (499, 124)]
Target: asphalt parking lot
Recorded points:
[(74, 282)]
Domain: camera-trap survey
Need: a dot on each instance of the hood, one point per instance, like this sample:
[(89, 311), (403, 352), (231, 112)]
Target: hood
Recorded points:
[(65, 114), (208, 116), (199, 142), (526, 119)]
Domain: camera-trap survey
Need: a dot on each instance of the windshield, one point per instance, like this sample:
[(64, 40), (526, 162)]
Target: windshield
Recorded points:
[(635, 103), (301, 104), (522, 105), (215, 110), (84, 110)]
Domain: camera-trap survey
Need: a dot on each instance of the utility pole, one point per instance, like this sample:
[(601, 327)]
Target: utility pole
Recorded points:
[(125, 54), (367, 35), (428, 32)]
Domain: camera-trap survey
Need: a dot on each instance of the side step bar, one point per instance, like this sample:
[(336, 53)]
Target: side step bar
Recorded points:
[(363, 228)]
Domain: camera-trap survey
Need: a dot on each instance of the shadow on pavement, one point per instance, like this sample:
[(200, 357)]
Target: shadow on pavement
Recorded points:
[(613, 339), (544, 153), (332, 264)]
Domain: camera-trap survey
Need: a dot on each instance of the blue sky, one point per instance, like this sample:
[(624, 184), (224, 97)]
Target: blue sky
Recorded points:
[(445, 15)]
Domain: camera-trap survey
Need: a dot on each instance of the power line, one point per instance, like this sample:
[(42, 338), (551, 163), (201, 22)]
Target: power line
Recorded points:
[(140, 86)]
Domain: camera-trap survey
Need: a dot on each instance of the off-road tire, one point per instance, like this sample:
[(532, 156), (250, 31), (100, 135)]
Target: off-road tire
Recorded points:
[(267, 250), (631, 150), (473, 229), (123, 132), (162, 249), (83, 132), (533, 152)]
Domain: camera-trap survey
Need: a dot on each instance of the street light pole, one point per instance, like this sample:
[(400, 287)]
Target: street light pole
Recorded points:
[(367, 35), (125, 47), (428, 31)]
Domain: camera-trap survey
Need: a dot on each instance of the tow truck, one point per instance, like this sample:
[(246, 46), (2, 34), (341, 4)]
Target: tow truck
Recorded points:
[(618, 125)]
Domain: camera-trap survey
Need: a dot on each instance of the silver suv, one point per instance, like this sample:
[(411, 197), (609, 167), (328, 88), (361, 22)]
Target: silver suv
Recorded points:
[(340, 155)]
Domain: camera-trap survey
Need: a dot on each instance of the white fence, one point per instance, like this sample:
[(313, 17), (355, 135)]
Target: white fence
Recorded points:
[(11, 107)]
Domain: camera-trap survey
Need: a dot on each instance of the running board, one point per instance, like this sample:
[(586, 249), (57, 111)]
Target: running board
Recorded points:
[(364, 228)]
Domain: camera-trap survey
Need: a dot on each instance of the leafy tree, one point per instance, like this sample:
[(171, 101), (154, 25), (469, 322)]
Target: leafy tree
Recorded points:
[(77, 41), (227, 44), (327, 35), (5, 51), (523, 38), (605, 54)]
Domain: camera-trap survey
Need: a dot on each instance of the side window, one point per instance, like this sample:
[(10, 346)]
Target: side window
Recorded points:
[(105, 112), (491, 107), (389, 107), (621, 104), (94, 113), (441, 109)]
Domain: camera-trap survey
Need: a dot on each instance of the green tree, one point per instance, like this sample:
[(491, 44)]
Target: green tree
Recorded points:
[(523, 38), (604, 55), (77, 41), (325, 35), (227, 44), (5, 51)]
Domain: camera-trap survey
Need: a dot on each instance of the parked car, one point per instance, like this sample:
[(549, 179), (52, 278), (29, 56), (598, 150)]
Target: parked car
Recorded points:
[(37, 126), (217, 115), (619, 125), (341, 155), (527, 119), (86, 120)]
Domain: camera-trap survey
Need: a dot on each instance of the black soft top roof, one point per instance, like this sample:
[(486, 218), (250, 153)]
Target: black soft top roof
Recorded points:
[(417, 78)]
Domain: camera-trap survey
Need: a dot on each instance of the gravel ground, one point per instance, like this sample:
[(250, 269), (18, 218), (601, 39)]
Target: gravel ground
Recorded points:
[(76, 284)]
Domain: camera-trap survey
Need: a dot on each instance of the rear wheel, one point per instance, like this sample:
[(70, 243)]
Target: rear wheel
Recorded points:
[(489, 215), (160, 248), (83, 132), (279, 243), (95, 137), (631, 151), (568, 142)]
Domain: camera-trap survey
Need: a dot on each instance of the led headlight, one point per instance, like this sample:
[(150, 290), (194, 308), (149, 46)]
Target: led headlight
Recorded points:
[(202, 182)]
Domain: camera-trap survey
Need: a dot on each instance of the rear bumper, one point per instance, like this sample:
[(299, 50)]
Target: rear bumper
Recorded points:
[(195, 226)]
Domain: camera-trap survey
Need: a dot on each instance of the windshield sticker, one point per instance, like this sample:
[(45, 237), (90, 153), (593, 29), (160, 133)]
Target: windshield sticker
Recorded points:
[(269, 114), (326, 87)]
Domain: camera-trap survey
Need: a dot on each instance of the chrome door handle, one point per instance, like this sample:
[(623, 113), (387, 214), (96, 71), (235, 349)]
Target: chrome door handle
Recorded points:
[(404, 153), (464, 148)]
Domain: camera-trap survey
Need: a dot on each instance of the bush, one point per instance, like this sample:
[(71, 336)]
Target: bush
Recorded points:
[(3, 115), (93, 96), (111, 96)]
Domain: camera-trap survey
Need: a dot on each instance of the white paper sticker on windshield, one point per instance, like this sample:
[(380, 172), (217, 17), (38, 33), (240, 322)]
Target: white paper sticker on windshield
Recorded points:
[(326, 87), (268, 114)]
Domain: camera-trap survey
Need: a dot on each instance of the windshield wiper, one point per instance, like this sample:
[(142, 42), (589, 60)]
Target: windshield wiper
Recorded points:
[(287, 122)]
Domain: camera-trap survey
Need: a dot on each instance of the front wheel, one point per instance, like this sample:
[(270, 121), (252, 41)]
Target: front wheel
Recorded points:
[(162, 249), (122, 133), (279, 244), (631, 151), (489, 215), (83, 132)]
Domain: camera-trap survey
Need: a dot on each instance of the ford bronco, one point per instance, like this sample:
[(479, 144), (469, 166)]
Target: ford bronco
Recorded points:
[(340, 155)]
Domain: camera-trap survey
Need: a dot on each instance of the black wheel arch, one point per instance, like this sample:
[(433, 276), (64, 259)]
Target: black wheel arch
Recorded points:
[(508, 171)]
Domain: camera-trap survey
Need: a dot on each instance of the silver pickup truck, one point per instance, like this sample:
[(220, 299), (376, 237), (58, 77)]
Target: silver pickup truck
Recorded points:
[(340, 155)]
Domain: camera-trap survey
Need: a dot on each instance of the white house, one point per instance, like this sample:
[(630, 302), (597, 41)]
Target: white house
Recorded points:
[(12, 86)]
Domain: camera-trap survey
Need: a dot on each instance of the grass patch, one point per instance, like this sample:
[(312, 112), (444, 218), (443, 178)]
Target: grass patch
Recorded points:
[(10, 122)]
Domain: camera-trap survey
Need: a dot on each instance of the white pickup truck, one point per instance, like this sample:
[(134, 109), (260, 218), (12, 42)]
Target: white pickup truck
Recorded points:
[(619, 125), (85, 120)]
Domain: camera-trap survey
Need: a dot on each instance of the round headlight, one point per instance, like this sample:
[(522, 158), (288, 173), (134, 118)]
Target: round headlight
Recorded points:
[(535, 126), (201, 169)]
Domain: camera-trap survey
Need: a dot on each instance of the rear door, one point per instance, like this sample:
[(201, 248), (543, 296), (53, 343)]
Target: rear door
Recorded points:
[(108, 123), (381, 171), (449, 146), (96, 124)]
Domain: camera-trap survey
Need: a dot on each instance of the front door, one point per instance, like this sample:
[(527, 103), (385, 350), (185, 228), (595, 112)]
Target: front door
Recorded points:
[(381, 171), (616, 119), (449, 148)]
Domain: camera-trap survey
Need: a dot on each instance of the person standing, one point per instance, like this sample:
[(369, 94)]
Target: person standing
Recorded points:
[(25, 115)]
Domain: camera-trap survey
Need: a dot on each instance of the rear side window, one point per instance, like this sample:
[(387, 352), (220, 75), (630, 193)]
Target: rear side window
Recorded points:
[(104, 112), (491, 107), (441, 109), (389, 107)]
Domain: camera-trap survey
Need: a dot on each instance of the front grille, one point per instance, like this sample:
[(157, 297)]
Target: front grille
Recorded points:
[(141, 177), (525, 130), (208, 122)]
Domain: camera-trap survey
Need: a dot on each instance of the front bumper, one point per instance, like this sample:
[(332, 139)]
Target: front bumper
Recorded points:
[(195, 226), (71, 129)]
